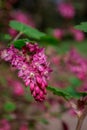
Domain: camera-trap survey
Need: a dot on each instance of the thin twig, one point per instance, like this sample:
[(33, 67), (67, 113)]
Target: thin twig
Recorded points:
[(81, 119), (18, 35)]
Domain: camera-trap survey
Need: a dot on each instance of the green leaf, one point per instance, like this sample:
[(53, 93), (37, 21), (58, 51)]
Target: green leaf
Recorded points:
[(9, 106), (67, 93), (75, 82), (20, 43), (73, 92), (7, 37), (44, 121), (27, 30), (59, 92), (49, 40), (82, 26), (8, 117)]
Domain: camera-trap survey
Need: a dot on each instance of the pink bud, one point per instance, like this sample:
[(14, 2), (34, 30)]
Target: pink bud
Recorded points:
[(37, 90), (39, 80), (32, 86)]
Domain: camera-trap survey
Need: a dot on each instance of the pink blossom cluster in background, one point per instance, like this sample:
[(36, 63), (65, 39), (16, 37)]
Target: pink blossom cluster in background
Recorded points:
[(33, 68), (77, 64), (4, 125), (78, 35), (66, 10), (17, 87), (58, 33)]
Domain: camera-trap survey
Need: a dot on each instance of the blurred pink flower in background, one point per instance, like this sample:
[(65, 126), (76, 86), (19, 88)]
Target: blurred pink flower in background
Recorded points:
[(58, 33), (4, 125), (77, 34), (16, 87), (66, 10), (56, 60), (77, 64)]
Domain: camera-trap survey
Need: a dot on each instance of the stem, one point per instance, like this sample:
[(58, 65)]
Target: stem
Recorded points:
[(81, 119), (18, 35)]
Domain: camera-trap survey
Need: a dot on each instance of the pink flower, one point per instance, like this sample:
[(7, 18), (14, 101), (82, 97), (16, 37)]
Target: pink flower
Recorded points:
[(58, 33), (4, 125), (17, 87), (77, 34), (77, 64), (32, 67), (66, 10)]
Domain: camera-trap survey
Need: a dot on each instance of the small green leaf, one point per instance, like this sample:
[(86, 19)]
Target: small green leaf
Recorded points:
[(75, 82), (20, 43), (7, 37), (9, 106), (8, 117), (44, 121), (49, 40), (72, 92), (59, 92), (27, 30), (67, 93), (82, 26)]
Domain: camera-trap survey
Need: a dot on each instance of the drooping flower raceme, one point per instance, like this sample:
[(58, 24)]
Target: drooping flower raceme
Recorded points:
[(32, 66)]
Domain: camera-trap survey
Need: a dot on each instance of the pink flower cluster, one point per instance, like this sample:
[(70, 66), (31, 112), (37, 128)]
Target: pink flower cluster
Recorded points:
[(58, 33), (66, 10), (77, 64), (16, 86), (4, 125), (32, 66), (77, 34)]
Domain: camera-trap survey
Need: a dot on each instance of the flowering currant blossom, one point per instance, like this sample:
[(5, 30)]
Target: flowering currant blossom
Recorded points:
[(16, 86), (32, 66), (58, 33), (77, 34), (4, 125), (77, 64), (66, 10)]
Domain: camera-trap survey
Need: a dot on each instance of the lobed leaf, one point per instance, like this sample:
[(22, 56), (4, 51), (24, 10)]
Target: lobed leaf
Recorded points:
[(67, 93), (59, 92), (82, 26), (27, 30)]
